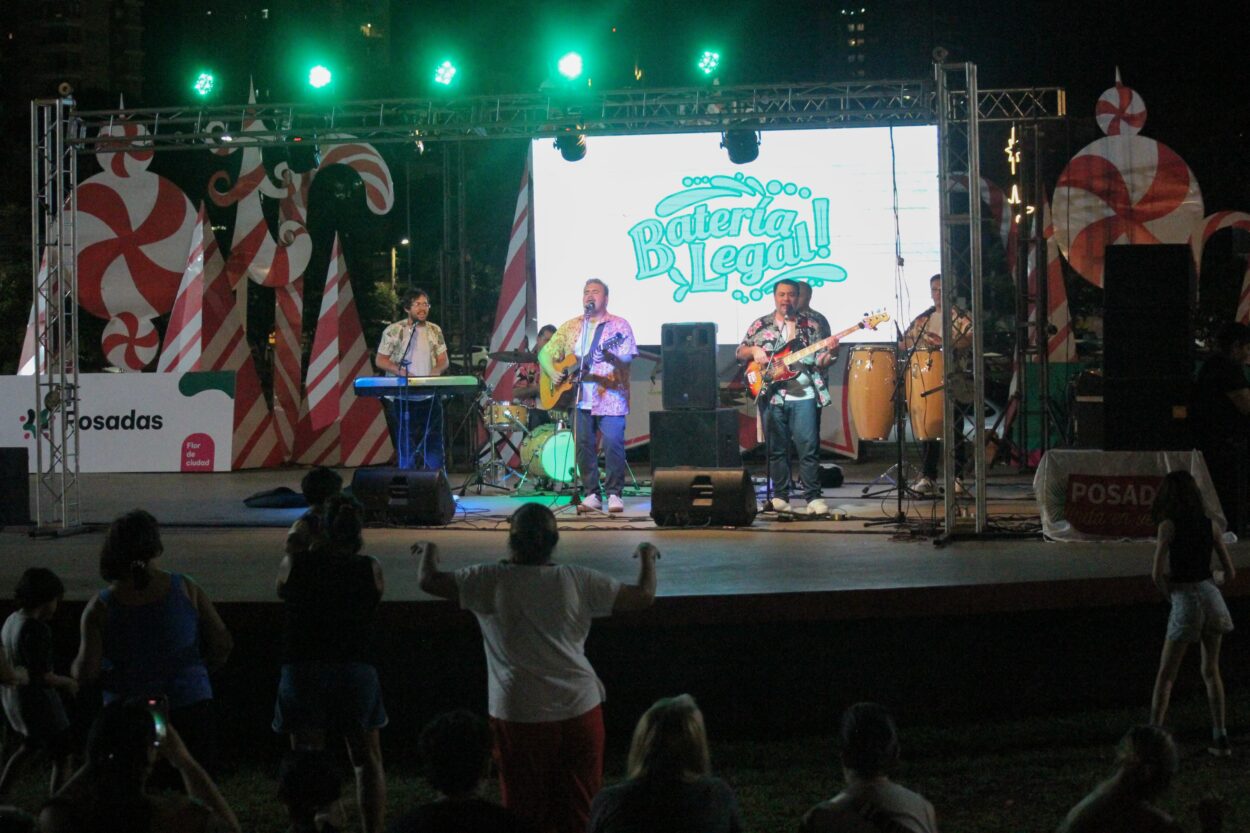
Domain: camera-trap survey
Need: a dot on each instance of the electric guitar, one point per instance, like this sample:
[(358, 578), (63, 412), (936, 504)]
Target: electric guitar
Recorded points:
[(780, 365), (551, 391)]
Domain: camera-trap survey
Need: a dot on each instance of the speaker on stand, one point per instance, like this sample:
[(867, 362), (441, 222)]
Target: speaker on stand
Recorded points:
[(688, 360)]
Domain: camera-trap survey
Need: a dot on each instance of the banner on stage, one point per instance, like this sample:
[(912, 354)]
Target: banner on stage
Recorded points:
[(1114, 505), (131, 422)]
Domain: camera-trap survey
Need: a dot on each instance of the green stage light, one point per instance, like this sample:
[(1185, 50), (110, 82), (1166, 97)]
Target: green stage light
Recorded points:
[(444, 73), (204, 83), (319, 76), (570, 65), (709, 62)]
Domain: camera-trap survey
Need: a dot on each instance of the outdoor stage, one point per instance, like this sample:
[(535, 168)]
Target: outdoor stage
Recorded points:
[(807, 612)]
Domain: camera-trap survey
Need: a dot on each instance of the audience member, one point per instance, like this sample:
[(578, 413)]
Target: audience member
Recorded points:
[(455, 755), (318, 486), (870, 801), (1186, 538), (35, 710), (544, 697), (153, 634), (670, 787), (310, 786), (330, 595), (1145, 764), (109, 794)]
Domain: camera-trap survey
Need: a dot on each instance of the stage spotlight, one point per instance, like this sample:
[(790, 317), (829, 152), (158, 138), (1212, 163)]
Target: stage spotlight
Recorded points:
[(319, 76), (570, 65), (709, 62), (444, 73), (572, 145), (303, 153), (743, 145), (204, 83)]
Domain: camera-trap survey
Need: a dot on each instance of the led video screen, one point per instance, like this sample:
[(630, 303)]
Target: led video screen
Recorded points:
[(679, 233)]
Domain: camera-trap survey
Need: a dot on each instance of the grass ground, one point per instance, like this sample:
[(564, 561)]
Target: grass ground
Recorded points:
[(1000, 777)]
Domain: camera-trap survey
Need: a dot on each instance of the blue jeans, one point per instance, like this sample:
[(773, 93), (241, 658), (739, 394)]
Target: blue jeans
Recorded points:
[(420, 446), (613, 430), (798, 422)]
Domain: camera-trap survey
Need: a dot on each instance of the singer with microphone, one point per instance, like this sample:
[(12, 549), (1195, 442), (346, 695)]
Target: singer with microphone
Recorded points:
[(604, 346), (925, 333), (794, 405), (414, 346)]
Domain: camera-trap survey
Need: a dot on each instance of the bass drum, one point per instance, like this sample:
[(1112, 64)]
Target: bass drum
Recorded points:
[(549, 452), (870, 383), (925, 399)]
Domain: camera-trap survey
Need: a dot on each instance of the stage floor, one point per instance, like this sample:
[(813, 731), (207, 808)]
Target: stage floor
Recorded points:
[(777, 569)]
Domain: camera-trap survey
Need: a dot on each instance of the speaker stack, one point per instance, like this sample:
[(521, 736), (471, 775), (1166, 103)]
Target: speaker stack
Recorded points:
[(421, 498), (15, 495), (1149, 293), (692, 430)]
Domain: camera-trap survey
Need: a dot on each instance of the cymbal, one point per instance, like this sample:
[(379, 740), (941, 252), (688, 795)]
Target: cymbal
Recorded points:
[(513, 356)]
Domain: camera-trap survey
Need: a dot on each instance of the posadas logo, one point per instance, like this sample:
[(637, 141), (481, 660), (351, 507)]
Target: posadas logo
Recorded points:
[(121, 422), (753, 246), (28, 423)]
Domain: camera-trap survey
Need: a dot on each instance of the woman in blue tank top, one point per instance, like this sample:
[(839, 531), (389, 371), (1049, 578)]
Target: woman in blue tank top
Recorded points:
[(152, 634), (1182, 572)]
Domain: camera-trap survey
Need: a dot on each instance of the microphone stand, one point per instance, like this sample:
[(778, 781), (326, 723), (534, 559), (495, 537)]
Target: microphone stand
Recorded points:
[(404, 420), (575, 470), (900, 473)]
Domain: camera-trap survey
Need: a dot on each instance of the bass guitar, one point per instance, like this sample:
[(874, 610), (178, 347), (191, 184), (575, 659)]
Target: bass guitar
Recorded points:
[(782, 365), (552, 391)]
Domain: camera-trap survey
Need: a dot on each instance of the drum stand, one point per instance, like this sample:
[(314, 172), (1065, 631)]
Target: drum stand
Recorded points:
[(492, 471)]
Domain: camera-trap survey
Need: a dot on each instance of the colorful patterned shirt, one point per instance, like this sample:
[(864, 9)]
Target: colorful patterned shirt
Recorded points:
[(764, 332), (609, 394), (395, 342), (526, 376)]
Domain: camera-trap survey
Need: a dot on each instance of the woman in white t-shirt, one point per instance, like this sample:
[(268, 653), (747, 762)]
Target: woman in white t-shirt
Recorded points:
[(544, 697)]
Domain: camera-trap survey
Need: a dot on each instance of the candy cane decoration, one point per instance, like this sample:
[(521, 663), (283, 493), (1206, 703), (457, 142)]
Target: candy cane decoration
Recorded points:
[(1217, 222), (184, 334)]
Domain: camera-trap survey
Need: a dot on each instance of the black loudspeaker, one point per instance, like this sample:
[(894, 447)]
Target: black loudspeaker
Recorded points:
[(708, 439), (688, 360), (1087, 410), (1154, 276), (15, 495), (1146, 414), (1147, 342), (702, 497), (422, 498)]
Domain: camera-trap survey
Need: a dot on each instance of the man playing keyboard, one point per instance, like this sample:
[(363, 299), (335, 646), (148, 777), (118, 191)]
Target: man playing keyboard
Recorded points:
[(414, 346)]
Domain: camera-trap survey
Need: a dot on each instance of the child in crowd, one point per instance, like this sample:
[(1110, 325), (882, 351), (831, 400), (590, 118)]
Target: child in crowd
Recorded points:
[(455, 755), (318, 486), (35, 710), (1182, 572)]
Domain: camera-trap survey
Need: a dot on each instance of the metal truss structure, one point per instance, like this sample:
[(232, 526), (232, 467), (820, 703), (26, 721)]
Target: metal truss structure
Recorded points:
[(951, 100), (53, 188)]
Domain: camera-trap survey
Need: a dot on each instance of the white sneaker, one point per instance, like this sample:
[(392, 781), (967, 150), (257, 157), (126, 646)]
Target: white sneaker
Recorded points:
[(779, 505), (615, 504), (590, 503), (817, 507), (923, 485)]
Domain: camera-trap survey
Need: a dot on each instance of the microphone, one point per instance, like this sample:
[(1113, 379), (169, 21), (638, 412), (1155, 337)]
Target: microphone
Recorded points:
[(589, 306)]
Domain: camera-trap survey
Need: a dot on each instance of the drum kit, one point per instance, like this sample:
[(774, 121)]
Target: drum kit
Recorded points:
[(546, 450)]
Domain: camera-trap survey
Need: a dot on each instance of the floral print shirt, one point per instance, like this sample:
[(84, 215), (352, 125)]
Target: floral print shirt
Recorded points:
[(609, 396), (766, 333)]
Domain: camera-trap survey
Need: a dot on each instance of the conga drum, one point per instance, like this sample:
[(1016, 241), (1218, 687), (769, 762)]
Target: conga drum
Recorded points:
[(870, 390), (925, 401)]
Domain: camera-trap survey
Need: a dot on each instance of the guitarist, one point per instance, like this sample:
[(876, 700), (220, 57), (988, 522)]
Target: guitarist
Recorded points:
[(793, 407), (600, 399)]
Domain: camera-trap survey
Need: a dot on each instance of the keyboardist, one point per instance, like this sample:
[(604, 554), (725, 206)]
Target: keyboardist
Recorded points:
[(414, 346)]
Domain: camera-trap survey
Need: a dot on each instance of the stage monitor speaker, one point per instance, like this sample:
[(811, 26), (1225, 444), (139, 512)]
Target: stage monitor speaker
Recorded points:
[(15, 496), (708, 439), (422, 498), (688, 361), (702, 497), (1141, 343), (1146, 414), (1153, 276)]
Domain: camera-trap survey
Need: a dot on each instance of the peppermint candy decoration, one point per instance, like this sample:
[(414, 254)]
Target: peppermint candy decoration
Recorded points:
[(1120, 111), (130, 342)]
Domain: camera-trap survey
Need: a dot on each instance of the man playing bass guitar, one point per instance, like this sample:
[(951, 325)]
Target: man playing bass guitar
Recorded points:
[(793, 405)]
